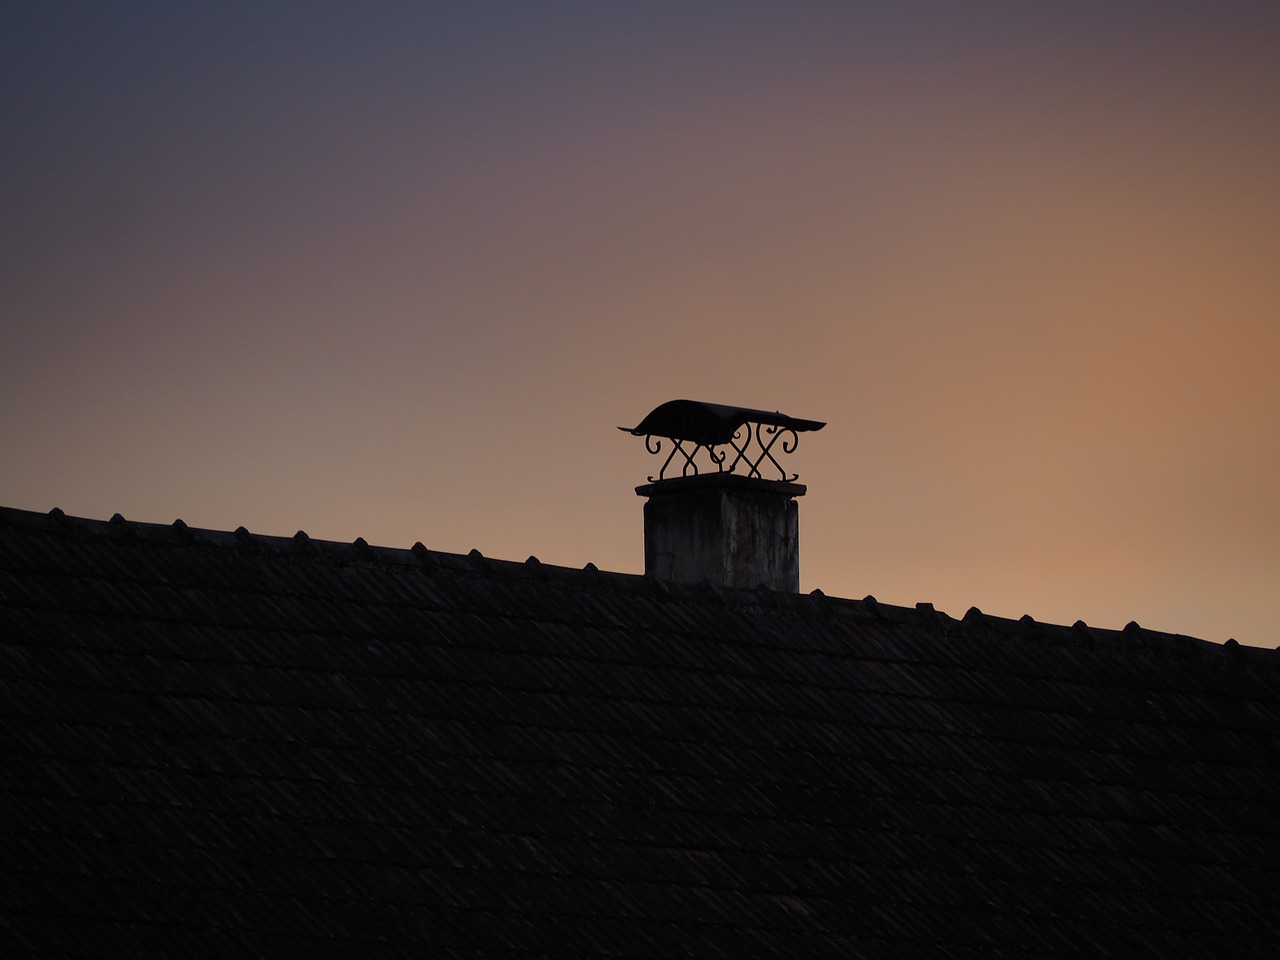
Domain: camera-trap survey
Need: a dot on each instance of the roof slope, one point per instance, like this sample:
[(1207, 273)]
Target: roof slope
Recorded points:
[(221, 744)]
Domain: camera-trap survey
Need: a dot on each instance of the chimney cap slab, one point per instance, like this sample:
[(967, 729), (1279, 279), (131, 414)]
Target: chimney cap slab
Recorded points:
[(715, 482)]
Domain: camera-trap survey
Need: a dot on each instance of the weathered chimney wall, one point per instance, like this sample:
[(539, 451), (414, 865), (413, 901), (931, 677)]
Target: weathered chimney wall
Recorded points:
[(723, 529)]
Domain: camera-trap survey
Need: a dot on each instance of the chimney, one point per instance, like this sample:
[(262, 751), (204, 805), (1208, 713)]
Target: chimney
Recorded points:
[(722, 509)]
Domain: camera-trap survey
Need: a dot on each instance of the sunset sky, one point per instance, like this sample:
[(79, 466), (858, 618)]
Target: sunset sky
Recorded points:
[(398, 270)]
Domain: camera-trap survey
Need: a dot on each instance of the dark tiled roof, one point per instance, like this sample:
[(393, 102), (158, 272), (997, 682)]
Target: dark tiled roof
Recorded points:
[(223, 744)]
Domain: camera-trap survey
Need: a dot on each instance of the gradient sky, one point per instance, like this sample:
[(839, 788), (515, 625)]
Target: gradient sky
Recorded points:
[(398, 270)]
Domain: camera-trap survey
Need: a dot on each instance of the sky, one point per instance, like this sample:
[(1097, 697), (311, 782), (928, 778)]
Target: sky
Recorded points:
[(398, 270)]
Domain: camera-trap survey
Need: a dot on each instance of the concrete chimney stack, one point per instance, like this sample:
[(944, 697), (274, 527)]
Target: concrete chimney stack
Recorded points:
[(722, 509)]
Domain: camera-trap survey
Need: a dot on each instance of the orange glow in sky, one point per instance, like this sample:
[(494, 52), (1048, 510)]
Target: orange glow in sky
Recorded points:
[(398, 270)]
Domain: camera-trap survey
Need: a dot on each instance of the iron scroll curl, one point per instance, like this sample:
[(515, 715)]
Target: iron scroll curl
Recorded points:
[(690, 466), (766, 436)]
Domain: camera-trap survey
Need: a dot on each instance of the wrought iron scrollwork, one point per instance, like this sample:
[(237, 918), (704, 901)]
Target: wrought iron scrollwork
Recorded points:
[(751, 448), (765, 436), (689, 466)]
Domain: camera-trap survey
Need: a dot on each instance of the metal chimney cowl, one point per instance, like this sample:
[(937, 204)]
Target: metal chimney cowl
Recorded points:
[(720, 520)]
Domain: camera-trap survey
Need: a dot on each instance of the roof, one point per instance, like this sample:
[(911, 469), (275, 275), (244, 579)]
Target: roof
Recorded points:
[(221, 743)]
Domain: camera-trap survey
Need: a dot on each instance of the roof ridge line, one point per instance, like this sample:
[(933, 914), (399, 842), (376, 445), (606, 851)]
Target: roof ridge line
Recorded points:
[(974, 624)]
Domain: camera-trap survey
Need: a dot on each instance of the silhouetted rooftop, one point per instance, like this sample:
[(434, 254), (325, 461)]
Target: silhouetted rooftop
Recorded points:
[(228, 744)]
